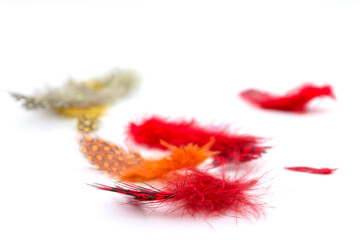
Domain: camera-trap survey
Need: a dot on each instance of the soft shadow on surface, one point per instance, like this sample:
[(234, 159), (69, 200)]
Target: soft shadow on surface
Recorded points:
[(308, 110)]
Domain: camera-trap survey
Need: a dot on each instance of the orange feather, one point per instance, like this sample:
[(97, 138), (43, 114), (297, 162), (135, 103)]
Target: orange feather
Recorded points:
[(129, 165)]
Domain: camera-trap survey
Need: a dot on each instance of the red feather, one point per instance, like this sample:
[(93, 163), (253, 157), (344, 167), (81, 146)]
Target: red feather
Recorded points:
[(231, 147), (312, 170), (200, 194), (294, 101)]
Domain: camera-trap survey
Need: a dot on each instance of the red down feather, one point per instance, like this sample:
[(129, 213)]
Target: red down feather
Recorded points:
[(199, 194), (293, 101), (230, 147)]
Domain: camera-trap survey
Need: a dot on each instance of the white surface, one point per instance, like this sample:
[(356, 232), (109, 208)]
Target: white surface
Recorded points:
[(194, 57)]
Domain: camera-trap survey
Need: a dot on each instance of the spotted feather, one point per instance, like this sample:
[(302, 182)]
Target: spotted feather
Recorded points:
[(129, 165)]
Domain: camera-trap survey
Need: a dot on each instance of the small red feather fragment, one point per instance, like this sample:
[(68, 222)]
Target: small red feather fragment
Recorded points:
[(312, 170), (199, 194), (231, 147), (293, 101)]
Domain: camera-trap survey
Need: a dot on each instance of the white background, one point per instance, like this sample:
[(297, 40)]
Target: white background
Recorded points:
[(193, 57)]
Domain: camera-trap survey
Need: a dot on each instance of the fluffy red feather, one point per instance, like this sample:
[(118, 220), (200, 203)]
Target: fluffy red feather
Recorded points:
[(294, 101), (231, 147), (199, 194)]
